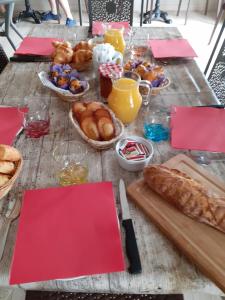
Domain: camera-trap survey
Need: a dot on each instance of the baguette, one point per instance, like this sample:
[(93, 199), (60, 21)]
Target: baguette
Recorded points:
[(187, 195), (9, 153)]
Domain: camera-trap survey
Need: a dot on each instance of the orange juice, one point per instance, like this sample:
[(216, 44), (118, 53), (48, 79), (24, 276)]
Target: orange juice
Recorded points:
[(115, 38), (125, 99)]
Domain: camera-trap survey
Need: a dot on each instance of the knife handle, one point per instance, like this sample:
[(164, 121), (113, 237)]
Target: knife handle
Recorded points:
[(131, 247)]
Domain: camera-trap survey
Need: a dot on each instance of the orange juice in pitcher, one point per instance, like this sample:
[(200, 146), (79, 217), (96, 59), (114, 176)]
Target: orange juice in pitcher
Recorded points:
[(125, 99), (115, 37)]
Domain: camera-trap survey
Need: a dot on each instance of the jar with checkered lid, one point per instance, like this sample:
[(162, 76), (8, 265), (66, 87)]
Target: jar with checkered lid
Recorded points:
[(107, 72)]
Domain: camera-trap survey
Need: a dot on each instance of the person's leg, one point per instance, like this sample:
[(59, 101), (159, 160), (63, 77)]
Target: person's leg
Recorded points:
[(66, 8), (2, 8), (70, 22), (52, 4), (52, 14)]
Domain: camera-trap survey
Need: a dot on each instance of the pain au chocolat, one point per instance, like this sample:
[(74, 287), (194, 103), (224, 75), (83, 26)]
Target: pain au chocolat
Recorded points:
[(187, 195)]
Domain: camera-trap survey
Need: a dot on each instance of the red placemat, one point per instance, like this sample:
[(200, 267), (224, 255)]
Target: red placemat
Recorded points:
[(67, 232), (36, 46), (11, 122), (198, 128), (171, 48)]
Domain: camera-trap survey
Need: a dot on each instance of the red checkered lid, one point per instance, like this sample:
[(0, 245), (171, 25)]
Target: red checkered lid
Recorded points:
[(107, 69)]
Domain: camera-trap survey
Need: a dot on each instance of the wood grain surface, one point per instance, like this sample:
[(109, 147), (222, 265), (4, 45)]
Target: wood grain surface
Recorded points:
[(201, 243), (165, 270)]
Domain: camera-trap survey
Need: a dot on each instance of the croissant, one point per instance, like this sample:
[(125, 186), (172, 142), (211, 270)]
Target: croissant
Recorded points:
[(82, 56), (187, 195), (82, 45), (63, 52)]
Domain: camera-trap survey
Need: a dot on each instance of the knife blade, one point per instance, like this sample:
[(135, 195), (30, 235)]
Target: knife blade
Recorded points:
[(131, 243)]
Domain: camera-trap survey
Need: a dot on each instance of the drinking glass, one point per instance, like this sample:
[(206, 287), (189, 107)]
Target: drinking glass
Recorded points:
[(156, 126), (36, 117), (71, 162)]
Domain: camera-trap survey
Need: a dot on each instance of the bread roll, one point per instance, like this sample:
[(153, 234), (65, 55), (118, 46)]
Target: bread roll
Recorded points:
[(9, 153), (187, 195), (4, 179), (93, 106), (89, 127), (106, 128), (100, 113), (7, 167)]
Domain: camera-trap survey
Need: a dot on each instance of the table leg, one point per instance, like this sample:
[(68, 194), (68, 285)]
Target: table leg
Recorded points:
[(141, 16), (29, 13), (157, 15), (80, 12)]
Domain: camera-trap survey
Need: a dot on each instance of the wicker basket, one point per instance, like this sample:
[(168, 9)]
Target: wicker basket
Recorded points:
[(7, 187), (100, 145), (164, 84), (65, 95)]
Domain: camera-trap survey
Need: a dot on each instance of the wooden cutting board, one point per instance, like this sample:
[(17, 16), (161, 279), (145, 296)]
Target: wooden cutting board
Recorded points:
[(202, 244)]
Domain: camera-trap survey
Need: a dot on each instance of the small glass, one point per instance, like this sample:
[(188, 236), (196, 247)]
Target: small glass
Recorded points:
[(36, 117), (156, 126), (72, 167)]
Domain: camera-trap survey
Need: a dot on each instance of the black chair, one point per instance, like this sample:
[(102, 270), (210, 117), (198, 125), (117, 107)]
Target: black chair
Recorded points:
[(221, 12), (3, 59), (216, 77), (110, 11)]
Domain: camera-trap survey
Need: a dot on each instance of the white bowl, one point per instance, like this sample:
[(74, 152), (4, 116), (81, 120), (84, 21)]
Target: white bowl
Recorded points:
[(131, 165)]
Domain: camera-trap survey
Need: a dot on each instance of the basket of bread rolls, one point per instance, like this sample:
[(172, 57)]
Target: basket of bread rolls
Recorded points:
[(79, 56), (10, 167), (96, 124)]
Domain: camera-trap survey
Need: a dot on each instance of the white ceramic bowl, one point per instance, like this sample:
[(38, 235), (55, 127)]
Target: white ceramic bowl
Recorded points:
[(131, 165)]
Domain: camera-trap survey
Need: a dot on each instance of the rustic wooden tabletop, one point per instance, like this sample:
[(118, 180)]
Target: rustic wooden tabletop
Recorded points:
[(165, 269)]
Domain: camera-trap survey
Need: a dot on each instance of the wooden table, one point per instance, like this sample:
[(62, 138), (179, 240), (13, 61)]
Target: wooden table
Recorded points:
[(165, 270)]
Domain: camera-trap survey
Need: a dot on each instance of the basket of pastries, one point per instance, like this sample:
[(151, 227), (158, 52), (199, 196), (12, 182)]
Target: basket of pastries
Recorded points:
[(150, 72), (10, 166), (79, 56), (66, 82), (96, 124)]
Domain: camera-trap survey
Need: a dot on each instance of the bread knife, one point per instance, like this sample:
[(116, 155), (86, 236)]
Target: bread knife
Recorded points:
[(131, 243)]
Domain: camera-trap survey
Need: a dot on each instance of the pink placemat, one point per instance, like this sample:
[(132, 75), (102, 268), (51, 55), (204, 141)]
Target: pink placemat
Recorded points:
[(67, 232), (11, 122), (36, 46), (98, 27), (198, 128), (171, 48)]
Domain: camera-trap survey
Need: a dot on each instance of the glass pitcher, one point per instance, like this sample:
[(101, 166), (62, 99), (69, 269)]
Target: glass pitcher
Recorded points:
[(125, 99), (115, 37)]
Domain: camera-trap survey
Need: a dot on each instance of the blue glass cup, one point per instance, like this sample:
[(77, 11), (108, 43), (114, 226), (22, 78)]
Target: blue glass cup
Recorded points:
[(156, 126)]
